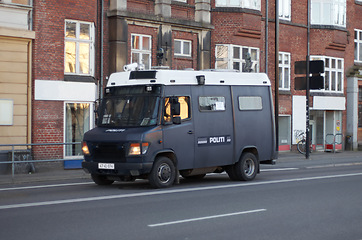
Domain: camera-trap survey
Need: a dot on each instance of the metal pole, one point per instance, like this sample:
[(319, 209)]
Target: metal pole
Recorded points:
[(308, 87), (277, 73), (266, 34)]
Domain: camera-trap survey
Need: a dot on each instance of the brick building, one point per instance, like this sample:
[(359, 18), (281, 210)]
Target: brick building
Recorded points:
[(66, 72), (69, 63)]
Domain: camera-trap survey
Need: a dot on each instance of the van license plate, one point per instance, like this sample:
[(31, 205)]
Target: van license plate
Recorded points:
[(105, 165)]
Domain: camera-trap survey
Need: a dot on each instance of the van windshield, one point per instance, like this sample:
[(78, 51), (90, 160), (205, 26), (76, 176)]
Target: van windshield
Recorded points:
[(129, 111)]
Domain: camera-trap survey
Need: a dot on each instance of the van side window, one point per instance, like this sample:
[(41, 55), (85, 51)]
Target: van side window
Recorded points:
[(184, 108), (250, 103), (212, 103)]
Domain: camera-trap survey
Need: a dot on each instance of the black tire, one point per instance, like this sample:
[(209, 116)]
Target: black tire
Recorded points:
[(301, 146), (247, 168), (101, 180), (231, 172), (163, 173)]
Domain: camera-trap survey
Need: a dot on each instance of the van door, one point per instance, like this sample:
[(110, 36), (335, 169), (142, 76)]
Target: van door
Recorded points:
[(212, 116), (179, 137)]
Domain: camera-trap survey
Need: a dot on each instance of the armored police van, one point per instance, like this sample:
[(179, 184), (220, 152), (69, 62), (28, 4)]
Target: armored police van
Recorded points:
[(160, 124)]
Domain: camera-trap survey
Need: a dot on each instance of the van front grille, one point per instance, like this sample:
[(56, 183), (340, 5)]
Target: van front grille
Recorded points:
[(109, 152)]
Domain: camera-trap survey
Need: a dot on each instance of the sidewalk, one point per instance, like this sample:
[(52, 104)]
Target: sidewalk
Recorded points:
[(285, 160)]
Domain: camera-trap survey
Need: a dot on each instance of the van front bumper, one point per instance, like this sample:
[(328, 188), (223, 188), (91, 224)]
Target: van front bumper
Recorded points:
[(120, 169)]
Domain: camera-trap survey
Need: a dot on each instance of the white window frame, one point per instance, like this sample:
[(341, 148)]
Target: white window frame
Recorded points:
[(142, 51), (284, 70), (91, 125), (77, 40), (329, 12), (333, 69), (182, 53), (358, 45), (251, 4), (239, 60), (285, 10)]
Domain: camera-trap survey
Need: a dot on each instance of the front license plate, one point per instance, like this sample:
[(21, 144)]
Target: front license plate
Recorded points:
[(105, 165)]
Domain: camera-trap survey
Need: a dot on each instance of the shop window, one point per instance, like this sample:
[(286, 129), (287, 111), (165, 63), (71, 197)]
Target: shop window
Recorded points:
[(77, 122), (244, 59), (79, 48), (141, 50)]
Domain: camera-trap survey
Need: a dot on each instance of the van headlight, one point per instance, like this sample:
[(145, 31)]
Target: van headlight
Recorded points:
[(85, 148), (138, 149)]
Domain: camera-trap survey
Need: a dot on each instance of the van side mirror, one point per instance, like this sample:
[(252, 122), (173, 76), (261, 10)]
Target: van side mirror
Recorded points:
[(176, 120), (175, 107)]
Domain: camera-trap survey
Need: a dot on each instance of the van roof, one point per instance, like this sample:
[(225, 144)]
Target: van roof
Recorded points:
[(187, 77)]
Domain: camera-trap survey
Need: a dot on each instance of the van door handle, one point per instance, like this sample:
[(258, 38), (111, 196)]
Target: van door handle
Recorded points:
[(190, 132)]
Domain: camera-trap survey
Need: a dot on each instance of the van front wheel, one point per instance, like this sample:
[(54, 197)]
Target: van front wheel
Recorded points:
[(247, 168), (163, 173)]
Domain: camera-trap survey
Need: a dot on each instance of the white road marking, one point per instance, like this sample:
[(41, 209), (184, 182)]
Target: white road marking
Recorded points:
[(205, 218), (45, 186), (278, 169), (160, 192)]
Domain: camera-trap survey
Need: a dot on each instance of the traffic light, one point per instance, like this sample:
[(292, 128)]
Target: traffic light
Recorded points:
[(316, 81)]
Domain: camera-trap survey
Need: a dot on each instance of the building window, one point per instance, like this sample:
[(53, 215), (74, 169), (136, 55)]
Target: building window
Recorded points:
[(284, 10), (252, 4), (284, 71), (182, 48), (358, 45), (333, 73), (329, 12), (244, 59), (77, 122), (141, 50), (360, 93), (79, 48)]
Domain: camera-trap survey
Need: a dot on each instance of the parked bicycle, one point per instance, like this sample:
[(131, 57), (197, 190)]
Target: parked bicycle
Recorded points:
[(301, 145)]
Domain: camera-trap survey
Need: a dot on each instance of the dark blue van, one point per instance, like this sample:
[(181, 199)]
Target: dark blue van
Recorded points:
[(160, 124)]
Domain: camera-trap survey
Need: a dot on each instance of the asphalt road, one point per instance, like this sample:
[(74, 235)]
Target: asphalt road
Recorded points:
[(318, 202)]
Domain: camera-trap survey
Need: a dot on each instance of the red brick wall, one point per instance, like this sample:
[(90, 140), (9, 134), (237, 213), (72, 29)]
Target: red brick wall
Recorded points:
[(48, 64), (48, 128)]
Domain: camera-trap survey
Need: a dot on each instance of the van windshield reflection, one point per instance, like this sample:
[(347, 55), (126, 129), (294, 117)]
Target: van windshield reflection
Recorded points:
[(129, 111)]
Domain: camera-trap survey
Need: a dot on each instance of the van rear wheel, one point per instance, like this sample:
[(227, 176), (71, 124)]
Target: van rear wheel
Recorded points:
[(163, 173), (101, 180), (247, 168)]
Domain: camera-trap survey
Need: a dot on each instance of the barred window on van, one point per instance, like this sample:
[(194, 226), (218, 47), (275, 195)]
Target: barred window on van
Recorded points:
[(250, 103), (212, 103)]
